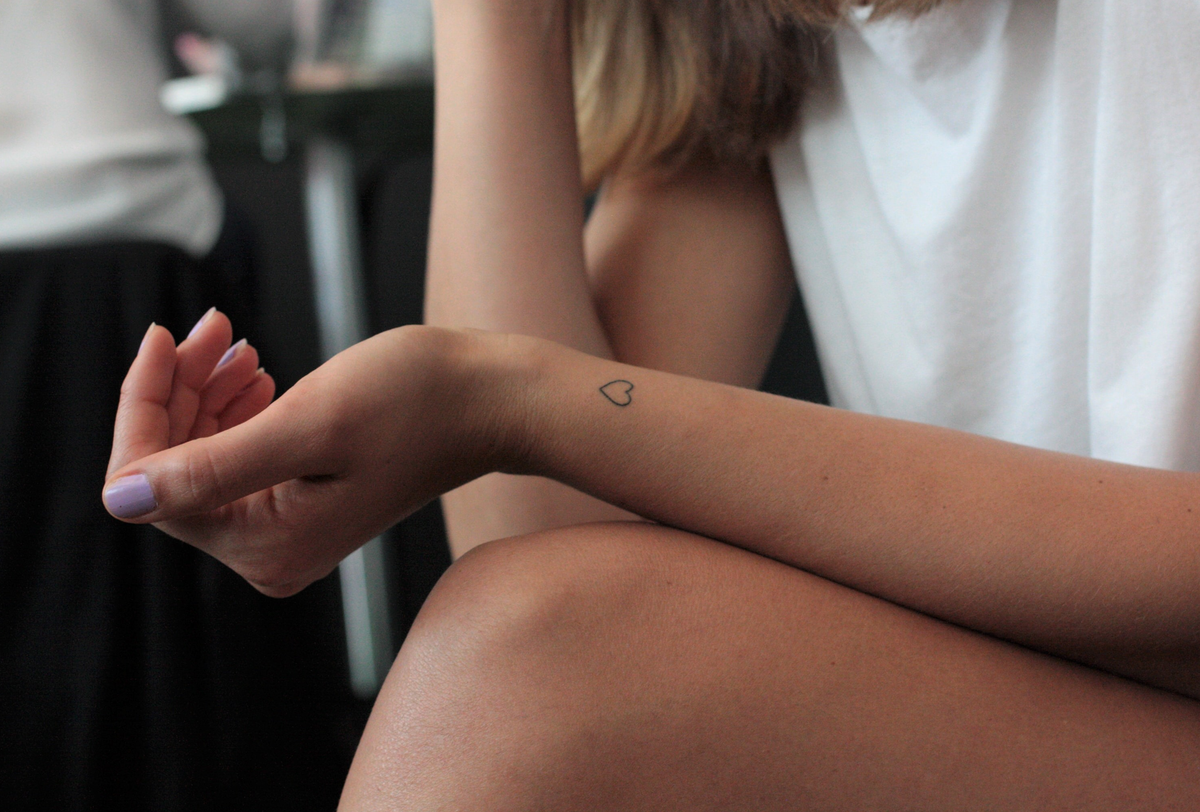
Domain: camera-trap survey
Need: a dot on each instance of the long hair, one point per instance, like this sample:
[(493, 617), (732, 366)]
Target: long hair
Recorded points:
[(659, 83)]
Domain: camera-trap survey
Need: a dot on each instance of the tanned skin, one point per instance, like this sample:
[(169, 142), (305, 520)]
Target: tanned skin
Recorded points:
[(828, 611)]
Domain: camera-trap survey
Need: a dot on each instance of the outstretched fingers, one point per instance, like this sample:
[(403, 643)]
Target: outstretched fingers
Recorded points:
[(142, 424), (237, 372), (205, 347), (210, 376)]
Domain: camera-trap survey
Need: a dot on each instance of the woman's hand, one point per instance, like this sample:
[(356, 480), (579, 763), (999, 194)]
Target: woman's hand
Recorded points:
[(283, 492)]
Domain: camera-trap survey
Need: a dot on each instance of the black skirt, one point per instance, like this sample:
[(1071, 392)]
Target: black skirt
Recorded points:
[(135, 672)]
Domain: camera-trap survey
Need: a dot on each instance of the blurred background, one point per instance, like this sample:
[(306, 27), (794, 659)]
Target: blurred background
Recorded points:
[(317, 117)]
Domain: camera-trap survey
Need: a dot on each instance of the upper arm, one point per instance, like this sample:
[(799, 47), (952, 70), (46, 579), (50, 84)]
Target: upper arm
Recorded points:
[(692, 274)]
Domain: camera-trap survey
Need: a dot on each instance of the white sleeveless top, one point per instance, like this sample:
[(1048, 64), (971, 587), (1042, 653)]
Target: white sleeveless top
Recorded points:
[(994, 213), (86, 151)]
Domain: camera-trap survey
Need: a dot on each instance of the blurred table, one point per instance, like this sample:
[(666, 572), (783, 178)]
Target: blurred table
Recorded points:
[(335, 130), (394, 119)]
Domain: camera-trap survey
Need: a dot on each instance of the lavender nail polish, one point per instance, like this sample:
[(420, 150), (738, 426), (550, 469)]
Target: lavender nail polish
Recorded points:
[(203, 319), (130, 497), (229, 353)]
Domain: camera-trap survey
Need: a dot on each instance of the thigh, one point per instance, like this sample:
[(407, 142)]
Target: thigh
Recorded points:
[(638, 667)]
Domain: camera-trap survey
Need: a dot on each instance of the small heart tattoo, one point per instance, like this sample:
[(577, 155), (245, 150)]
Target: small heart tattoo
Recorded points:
[(618, 392)]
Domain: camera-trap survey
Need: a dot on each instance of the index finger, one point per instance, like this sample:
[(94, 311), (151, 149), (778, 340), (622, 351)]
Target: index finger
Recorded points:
[(142, 425)]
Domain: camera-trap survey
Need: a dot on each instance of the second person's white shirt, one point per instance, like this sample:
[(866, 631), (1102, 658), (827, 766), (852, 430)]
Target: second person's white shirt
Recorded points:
[(87, 154)]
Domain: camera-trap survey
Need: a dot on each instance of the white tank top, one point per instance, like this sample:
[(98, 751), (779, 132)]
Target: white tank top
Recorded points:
[(994, 213), (86, 151)]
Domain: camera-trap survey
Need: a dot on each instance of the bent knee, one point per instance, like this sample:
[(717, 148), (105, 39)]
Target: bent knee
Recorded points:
[(537, 661), (556, 589), (515, 657), (576, 605)]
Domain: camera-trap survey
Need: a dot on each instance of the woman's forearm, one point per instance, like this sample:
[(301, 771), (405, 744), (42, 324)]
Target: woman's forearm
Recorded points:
[(1085, 559), (506, 249), (506, 246)]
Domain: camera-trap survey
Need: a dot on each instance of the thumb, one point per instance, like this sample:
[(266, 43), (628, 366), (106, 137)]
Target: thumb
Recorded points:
[(208, 473)]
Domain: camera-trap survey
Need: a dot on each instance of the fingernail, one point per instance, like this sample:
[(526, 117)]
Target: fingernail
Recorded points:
[(229, 353), (130, 497), (203, 319), (149, 330)]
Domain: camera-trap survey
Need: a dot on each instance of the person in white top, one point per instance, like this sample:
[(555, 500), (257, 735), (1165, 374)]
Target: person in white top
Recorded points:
[(135, 675), (87, 153), (974, 586)]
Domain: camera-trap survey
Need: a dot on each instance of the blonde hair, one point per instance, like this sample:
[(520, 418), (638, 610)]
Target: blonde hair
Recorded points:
[(659, 83)]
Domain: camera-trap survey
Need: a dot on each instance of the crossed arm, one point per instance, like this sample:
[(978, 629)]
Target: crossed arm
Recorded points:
[(1084, 559), (688, 274)]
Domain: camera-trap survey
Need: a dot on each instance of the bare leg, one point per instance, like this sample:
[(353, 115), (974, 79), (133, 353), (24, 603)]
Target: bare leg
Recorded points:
[(637, 667)]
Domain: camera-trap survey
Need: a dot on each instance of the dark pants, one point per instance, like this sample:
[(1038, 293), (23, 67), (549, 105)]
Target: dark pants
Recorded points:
[(135, 672)]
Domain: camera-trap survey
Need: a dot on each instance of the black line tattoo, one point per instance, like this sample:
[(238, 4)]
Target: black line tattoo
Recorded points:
[(619, 393)]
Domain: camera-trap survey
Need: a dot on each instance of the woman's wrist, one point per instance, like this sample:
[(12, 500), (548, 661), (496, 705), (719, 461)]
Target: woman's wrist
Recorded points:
[(502, 385), (486, 396)]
